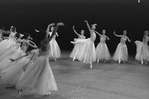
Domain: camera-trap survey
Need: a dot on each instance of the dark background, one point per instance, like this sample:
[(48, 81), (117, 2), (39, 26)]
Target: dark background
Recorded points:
[(112, 15)]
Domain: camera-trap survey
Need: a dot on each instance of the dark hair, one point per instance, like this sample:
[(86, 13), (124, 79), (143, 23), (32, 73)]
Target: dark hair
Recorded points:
[(13, 28)]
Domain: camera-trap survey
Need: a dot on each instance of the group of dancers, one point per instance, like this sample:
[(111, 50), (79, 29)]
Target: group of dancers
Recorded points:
[(28, 71), (85, 51), (31, 71)]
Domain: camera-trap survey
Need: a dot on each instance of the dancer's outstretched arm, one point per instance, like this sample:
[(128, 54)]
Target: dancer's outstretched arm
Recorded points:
[(90, 30), (55, 30), (75, 31), (98, 33), (116, 34)]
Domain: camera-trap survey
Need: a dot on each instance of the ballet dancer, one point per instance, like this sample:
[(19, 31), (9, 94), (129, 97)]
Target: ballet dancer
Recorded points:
[(102, 52), (39, 77), (142, 51), (77, 46), (121, 53)]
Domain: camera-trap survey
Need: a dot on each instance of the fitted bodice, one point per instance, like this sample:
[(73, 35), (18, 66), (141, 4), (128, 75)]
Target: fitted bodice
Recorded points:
[(81, 36), (102, 38), (12, 36), (123, 39), (145, 39), (93, 36)]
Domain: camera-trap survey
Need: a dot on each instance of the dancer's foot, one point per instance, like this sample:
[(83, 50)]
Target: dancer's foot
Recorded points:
[(97, 61), (142, 62), (55, 59), (19, 93), (73, 59), (119, 61), (48, 93), (91, 66)]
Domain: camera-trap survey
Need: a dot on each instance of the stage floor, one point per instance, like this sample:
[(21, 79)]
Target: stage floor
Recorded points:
[(109, 80)]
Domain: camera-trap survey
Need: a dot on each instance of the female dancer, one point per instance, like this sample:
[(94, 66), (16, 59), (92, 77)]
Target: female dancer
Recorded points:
[(8, 45), (55, 51), (121, 53), (38, 77), (87, 53), (77, 46), (142, 49), (102, 52)]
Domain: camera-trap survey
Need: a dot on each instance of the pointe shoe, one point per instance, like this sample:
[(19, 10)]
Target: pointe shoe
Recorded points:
[(97, 61), (55, 59), (142, 62), (73, 59), (48, 93), (19, 92), (91, 66), (119, 61)]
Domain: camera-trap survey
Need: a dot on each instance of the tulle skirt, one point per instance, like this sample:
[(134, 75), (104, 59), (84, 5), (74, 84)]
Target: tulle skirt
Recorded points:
[(55, 49), (38, 78), (12, 74), (102, 52), (142, 52), (5, 63), (121, 52), (6, 45), (76, 49), (87, 53)]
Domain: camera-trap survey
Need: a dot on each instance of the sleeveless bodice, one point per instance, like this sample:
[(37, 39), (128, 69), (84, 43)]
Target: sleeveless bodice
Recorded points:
[(12, 36), (102, 38), (93, 36), (145, 39), (81, 36), (123, 39)]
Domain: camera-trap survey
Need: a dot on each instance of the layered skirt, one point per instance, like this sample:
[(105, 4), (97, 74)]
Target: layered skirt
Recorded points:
[(121, 52), (55, 51), (102, 52), (142, 51), (38, 78)]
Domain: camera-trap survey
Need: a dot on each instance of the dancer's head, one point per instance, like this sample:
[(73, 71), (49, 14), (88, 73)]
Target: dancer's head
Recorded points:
[(124, 32), (103, 32), (51, 28), (13, 29), (146, 33), (93, 26), (82, 32)]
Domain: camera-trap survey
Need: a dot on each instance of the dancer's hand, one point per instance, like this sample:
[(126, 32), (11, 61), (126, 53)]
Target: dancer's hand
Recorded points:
[(73, 26), (60, 23), (36, 30), (12, 59), (51, 24), (85, 21)]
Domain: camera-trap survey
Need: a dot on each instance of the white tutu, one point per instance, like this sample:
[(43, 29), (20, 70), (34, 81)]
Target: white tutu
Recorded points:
[(12, 74), (87, 53), (102, 52), (55, 51), (121, 52), (142, 52), (77, 47), (6, 45), (5, 63), (38, 78)]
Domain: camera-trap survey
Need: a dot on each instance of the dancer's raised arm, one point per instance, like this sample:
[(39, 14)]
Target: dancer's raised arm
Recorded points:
[(75, 31), (54, 32), (116, 34), (97, 33)]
